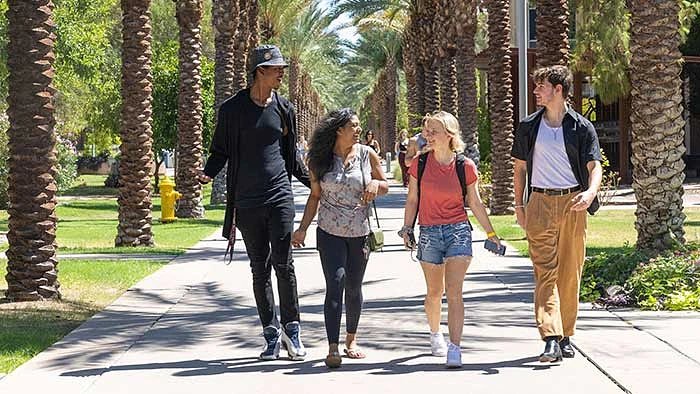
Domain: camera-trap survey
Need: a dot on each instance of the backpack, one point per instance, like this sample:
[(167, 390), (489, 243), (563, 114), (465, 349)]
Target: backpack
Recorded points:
[(459, 168)]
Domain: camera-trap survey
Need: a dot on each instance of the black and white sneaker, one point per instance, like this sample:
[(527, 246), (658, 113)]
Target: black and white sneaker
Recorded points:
[(271, 351), (292, 341)]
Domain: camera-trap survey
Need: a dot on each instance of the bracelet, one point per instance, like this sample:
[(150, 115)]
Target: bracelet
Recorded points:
[(520, 206), (491, 234), (405, 230)]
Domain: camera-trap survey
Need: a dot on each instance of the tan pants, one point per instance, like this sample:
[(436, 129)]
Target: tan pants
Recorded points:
[(557, 243)]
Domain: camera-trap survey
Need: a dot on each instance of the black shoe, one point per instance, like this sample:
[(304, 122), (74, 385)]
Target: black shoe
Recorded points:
[(567, 351), (552, 352)]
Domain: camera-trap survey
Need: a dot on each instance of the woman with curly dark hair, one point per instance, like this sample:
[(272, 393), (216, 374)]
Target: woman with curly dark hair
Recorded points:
[(345, 177)]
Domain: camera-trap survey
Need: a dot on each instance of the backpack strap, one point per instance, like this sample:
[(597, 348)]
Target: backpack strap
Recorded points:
[(459, 167), (422, 160)]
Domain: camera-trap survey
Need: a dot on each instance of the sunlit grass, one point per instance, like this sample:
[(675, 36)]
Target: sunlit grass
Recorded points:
[(87, 286)]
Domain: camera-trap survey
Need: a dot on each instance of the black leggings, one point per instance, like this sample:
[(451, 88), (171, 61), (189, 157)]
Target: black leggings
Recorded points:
[(344, 261)]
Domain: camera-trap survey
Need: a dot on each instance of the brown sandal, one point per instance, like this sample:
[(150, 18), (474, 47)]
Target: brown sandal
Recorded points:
[(354, 352), (333, 360)]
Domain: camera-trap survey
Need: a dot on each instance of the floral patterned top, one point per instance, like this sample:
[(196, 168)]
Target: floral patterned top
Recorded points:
[(341, 212)]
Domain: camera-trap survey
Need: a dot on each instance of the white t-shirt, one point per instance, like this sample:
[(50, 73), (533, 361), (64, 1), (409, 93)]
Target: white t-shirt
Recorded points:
[(551, 168)]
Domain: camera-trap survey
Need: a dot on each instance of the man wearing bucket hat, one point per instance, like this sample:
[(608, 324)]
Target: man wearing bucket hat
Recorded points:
[(256, 134)]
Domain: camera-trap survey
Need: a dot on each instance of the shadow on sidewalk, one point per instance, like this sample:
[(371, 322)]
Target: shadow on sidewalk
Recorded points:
[(397, 366)]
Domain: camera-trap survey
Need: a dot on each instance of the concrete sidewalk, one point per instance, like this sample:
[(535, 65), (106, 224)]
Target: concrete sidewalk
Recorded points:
[(193, 326)]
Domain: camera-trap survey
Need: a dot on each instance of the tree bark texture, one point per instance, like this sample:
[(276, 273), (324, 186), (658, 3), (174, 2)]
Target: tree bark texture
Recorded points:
[(657, 123), (31, 257), (189, 114)]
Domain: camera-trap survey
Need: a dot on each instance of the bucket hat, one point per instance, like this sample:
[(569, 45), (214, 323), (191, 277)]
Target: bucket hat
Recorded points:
[(267, 55)]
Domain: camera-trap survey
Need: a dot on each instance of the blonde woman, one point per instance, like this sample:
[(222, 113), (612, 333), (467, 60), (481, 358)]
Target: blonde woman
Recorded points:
[(445, 242)]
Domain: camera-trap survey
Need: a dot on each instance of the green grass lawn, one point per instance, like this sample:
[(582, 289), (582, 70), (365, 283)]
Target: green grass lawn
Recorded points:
[(88, 224), (87, 287), (608, 230), (90, 185)]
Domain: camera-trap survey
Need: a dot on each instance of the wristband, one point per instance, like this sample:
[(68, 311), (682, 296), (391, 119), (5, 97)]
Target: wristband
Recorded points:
[(520, 206), (491, 234)]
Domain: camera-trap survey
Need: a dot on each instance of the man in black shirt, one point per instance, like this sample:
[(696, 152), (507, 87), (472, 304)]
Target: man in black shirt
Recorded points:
[(256, 134)]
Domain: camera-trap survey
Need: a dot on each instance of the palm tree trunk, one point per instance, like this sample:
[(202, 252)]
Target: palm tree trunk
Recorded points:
[(466, 82), (137, 137), (241, 40), (391, 106), (224, 22), (410, 67), (31, 257), (501, 108), (253, 32), (295, 82), (428, 55), (657, 124), (449, 84), (189, 114), (432, 86), (552, 24)]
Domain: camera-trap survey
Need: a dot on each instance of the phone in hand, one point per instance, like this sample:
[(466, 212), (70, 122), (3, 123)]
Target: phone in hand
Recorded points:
[(493, 247), (412, 241)]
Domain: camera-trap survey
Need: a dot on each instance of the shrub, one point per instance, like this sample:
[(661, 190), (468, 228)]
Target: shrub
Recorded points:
[(605, 272), (669, 281), (67, 168), (92, 163)]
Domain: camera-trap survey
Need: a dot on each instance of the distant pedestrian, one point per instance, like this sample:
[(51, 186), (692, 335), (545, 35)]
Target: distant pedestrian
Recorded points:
[(345, 178), (557, 177), (401, 147), (372, 143), (302, 147), (445, 242)]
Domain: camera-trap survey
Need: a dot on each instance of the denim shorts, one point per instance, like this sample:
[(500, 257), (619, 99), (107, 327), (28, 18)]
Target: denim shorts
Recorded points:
[(440, 241)]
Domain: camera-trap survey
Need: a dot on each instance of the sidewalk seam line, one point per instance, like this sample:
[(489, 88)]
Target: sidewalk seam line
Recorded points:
[(600, 368), (656, 337)]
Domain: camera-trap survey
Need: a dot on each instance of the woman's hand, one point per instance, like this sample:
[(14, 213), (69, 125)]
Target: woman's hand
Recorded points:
[(298, 238), (371, 191), (409, 240)]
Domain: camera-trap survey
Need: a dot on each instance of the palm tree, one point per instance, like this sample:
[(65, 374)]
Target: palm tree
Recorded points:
[(427, 54), (31, 257), (225, 23), (448, 32), (253, 30), (189, 114), (552, 24), (465, 21), (414, 74), (134, 200), (306, 39), (275, 17), (501, 107), (657, 123)]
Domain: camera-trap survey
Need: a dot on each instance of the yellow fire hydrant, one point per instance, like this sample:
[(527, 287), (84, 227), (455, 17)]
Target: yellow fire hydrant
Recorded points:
[(168, 196)]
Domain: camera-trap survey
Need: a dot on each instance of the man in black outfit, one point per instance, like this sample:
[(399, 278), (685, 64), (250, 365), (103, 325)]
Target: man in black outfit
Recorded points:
[(256, 134)]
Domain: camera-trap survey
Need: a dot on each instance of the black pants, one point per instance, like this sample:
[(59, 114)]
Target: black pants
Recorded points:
[(267, 233), (344, 261)]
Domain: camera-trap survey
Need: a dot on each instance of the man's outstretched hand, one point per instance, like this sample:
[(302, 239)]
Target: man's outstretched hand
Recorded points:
[(202, 177)]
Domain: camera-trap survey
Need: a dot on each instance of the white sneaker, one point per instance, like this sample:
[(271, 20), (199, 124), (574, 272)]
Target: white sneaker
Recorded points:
[(438, 346), (454, 356)]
